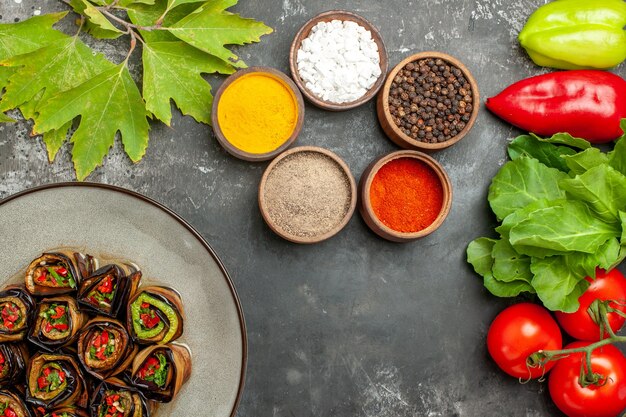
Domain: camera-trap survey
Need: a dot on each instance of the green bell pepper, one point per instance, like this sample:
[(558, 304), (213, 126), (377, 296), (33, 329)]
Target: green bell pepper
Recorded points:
[(575, 34)]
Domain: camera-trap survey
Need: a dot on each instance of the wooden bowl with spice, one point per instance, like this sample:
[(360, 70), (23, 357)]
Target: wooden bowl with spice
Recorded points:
[(404, 196), (429, 102), (257, 113), (307, 194), (338, 60)]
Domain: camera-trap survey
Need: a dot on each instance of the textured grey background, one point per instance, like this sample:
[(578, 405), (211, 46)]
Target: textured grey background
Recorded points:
[(355, 326)]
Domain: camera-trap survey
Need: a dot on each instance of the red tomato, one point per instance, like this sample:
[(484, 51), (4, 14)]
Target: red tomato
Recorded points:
[(608, 400), (607, 286), (517, 332)]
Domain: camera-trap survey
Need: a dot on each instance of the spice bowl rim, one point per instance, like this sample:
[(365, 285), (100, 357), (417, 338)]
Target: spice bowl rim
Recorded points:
[(400, 138), (307, 240), (304, 32), (239, 153), (365, 204)]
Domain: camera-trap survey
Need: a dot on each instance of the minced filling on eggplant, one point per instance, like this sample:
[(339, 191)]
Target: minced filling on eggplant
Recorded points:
[(102, 295), (12, 314), (155, 369), (55, 323), (103, 348), (54, 276)]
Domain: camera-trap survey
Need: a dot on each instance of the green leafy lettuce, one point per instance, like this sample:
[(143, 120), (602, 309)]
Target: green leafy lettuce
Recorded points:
[(562, 207)]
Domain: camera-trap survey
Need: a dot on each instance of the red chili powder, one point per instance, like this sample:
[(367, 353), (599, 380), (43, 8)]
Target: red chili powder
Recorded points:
[(406, 195)]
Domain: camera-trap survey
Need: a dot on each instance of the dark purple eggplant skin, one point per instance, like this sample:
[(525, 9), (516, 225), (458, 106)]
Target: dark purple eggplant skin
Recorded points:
[(75, 381), (116, 384), (127, 278), (71, 411), (18, 397), (36, 335), (70, 260), (16, 358), (18, 291)]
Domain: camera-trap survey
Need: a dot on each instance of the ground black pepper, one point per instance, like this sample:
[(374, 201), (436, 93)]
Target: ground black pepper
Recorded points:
[(307, 194), (430, 100)]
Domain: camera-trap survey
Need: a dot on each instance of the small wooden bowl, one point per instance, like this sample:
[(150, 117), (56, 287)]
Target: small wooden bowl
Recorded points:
[(365, 204), (307, 240), (254, 157), (399, 137), (304, 32)]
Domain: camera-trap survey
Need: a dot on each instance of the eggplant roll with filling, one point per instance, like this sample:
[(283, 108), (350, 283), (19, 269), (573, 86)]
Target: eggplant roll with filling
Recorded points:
[(56, 273), (17, 310), (55, 380), (13, 362), (105, 348), (160, 371), (107, 290), (115, 398), (57, 323), (11, 404), (67, 412), (155, 315)]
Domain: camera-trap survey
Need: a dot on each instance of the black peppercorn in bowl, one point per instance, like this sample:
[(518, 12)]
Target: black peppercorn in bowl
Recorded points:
[(429, 102)]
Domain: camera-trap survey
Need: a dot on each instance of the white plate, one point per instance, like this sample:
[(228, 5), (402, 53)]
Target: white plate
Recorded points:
[(105, 220)]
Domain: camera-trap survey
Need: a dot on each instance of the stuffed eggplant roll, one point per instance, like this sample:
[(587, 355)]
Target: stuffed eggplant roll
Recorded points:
[(67, 412), (160, 371), (12, 405), (106, 292), (16, 310), (55, 380), (155, 315), (57, 323), (56, 273), (114, 398), (13, 363), (105, 348)]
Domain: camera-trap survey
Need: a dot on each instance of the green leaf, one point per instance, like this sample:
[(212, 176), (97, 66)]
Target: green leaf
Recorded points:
[(479, 255), (97, 24), (506, 289), (607, 255), (565, 139), (546, 153), (570, 226), (583, 161), (617, 158), (175, 3), (126, 3), (5, 73), (58, 67), (172, 70), (144, 15), (620, 257), (521, 182), (54, 139), (602, 188), (509, 265), (6, 119), (107, 103), (558, 286), (209, 28), (29, 35)]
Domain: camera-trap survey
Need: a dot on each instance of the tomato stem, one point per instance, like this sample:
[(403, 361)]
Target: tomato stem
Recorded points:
[(598, 310)]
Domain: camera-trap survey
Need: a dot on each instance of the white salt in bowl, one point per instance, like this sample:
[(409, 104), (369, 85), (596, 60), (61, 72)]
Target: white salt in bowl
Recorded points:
[(304, 33)]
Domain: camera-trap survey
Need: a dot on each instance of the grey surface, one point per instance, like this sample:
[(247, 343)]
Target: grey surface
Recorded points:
[(354, 326), (110, 224)]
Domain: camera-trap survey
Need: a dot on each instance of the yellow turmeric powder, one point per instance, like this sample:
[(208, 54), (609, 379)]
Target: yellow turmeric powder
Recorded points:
[(257, 113)]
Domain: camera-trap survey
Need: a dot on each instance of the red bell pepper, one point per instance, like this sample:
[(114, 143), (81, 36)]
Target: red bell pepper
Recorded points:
[(587, 104)]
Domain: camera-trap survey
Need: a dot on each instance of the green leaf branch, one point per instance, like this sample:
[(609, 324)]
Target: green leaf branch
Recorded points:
[(58, 81)]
